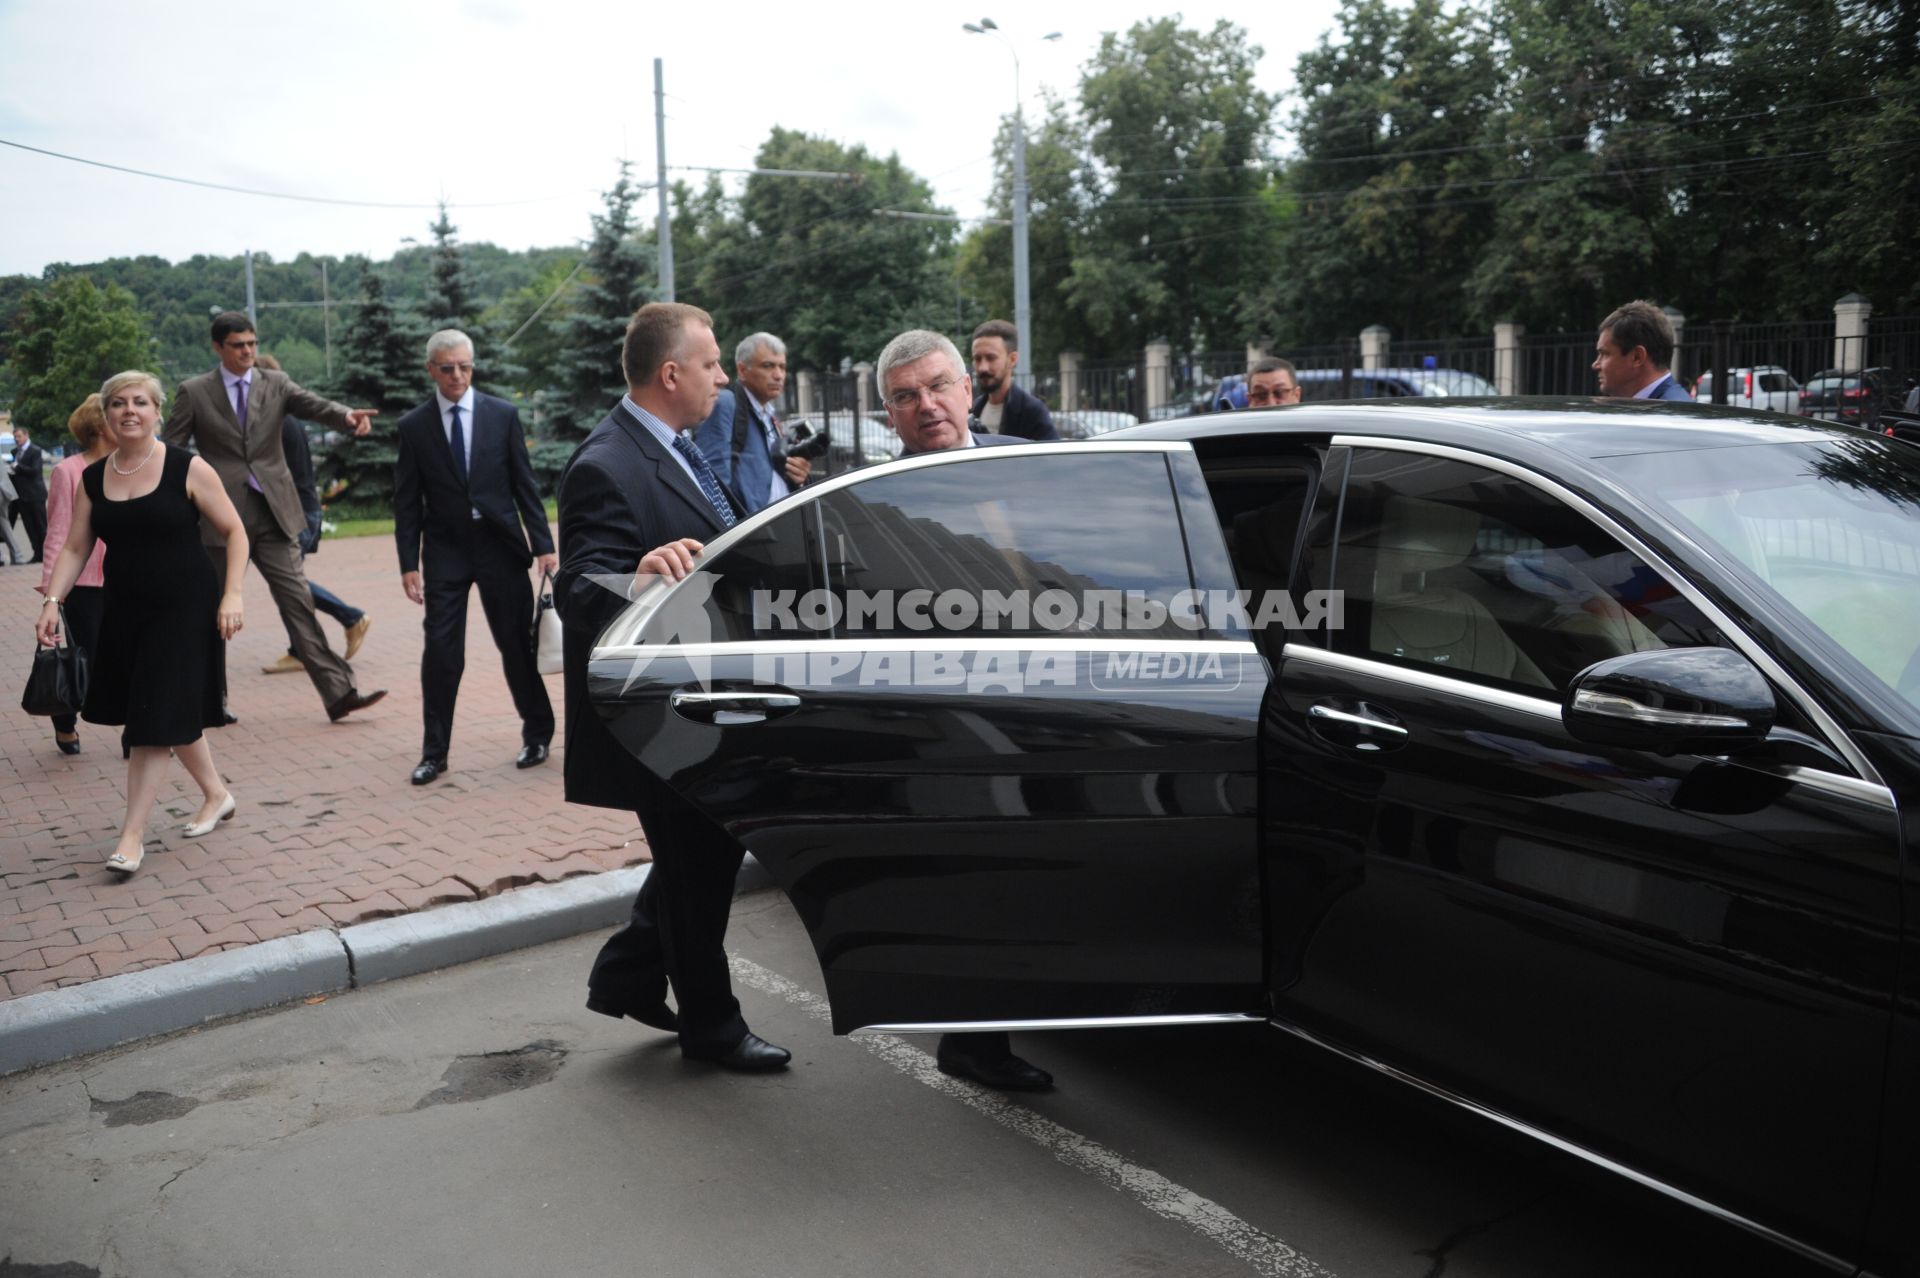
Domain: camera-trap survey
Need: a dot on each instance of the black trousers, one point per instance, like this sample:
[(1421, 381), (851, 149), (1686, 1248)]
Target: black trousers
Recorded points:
[(450, 572), (678, 932), (33, 522), (84, 605)]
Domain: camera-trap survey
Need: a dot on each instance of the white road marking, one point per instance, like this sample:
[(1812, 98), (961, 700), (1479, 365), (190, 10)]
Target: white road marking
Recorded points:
[(1267, 1255)]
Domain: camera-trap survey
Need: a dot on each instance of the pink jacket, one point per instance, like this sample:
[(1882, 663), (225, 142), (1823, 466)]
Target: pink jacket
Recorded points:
[(62, 484)]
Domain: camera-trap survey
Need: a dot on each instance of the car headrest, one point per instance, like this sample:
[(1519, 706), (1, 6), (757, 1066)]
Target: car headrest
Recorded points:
[(1418, 536)]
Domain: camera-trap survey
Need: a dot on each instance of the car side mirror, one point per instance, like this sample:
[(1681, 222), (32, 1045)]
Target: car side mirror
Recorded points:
[(1673, 700)]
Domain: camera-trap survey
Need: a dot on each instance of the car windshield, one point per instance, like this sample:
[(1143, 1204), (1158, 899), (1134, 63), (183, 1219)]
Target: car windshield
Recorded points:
[(1451, 381), (1831, 527)]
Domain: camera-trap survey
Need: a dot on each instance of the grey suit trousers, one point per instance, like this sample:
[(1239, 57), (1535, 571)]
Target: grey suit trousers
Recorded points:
[(278, 560)]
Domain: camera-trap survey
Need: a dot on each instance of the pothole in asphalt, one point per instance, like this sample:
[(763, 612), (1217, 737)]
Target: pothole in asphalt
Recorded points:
[(478, 1078), (144, 1107)]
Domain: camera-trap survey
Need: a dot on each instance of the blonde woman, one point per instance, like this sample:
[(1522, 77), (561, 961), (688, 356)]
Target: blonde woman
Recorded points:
[(161, 650), (88, 426)]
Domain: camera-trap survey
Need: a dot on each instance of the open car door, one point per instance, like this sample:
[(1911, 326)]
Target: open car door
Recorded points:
[(997, 794)]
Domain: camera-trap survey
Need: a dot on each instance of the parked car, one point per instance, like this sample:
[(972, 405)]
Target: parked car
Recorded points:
[(1767, 386), (1393, 383), (1085, 423), (874, 441), (1855, 398), (1584, 812)]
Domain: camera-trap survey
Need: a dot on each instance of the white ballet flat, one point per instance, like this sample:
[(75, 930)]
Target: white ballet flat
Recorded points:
[(199, 828)]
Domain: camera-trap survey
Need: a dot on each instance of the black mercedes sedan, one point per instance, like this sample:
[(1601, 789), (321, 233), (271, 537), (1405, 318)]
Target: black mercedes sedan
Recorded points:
[(1556, 757)]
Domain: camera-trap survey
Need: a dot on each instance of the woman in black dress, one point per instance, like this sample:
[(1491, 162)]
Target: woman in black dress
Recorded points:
[(157, 670)]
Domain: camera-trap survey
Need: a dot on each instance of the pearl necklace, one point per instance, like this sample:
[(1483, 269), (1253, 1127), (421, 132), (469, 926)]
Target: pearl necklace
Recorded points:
[(152, 448)]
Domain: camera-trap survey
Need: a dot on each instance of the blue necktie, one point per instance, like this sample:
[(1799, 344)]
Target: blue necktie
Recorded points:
[(459, 441), (709, 482)]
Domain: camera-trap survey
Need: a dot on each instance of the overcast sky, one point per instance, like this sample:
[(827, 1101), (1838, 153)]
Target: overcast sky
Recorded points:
[(515, 112)]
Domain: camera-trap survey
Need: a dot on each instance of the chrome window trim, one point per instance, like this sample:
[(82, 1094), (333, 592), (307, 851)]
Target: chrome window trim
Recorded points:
[(1832, 782), (1835, 735), (1064, 1023), (1805, 1250), (1540, 707), (947, 643)]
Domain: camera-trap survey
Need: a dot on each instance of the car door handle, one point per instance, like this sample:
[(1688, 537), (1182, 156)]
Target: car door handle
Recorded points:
[(725, 709), (1368, 728)]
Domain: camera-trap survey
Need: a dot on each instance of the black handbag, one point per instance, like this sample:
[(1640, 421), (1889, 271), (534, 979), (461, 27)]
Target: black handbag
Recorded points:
[(57, 684)]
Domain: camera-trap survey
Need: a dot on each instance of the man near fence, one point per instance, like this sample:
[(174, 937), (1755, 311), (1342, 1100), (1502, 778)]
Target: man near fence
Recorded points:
[(1001, 407), (1634, 353), (926, 390), (742, 439), (1271, 383)]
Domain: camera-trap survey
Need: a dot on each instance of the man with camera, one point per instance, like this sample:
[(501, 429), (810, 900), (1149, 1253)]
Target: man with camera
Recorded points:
[(742, 439)]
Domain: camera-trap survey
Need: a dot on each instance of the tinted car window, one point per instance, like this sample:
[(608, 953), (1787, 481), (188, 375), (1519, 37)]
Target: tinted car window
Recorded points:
[(1455, 567), (771, 563), (1011, 525)]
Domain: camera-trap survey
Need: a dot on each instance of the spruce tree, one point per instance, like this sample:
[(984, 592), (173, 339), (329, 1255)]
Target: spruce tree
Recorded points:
[(616, 281), (384, 369), (449, 302)]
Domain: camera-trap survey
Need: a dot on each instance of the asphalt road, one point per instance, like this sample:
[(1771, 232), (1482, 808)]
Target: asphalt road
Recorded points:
[(479, 1121)]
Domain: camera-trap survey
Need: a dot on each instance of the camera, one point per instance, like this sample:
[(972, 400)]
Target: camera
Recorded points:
[(805, 443)]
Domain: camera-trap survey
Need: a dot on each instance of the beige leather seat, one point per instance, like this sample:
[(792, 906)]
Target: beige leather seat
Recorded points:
[(1424, 620)]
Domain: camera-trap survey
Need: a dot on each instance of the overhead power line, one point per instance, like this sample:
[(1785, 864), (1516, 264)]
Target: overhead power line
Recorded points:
[(271, 195)]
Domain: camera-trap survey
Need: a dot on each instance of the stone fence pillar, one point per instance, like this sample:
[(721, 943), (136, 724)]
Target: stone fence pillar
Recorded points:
[(1850, 332), (1373, 347), (863, 391), (804, 391), (1069, 381), (1159, 362), (1506, 357)]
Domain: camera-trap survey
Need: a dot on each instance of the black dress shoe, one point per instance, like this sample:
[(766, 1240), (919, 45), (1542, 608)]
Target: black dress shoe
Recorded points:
[(228, 718), (659, 1016), (1006, 1073), (751, 1055), (427, 770), (532, 756), (67, 747), (353, 701)]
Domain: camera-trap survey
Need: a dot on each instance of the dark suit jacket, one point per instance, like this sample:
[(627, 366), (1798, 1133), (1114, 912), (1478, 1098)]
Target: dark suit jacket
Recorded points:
[(1023, 415), (293, 437), (203, 417), (750, 471), (430, 501), (1670, 389), (621, 495), (28, 484)]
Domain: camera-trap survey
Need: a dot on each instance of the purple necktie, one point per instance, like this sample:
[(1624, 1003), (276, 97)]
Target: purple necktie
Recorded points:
[(240, 415)]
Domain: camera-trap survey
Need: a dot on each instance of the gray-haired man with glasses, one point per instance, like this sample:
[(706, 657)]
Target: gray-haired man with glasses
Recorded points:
[(928, 396)]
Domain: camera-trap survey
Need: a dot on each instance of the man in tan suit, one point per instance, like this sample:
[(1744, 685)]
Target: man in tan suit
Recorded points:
[(233, 416)]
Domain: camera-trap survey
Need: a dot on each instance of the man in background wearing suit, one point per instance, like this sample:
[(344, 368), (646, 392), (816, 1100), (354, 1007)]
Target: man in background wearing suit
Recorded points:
[(1002, 407), (464, 485), (926, 390), (1634, 352), (232, 415), (637, 500), (742, 437), (30, 490)]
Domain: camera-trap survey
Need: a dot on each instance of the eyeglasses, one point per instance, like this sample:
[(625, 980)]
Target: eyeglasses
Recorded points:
[(904, 399), (448, 370), (240, 343)]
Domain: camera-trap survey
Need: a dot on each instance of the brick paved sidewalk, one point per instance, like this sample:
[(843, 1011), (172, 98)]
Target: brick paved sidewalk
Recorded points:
[(329, 831)]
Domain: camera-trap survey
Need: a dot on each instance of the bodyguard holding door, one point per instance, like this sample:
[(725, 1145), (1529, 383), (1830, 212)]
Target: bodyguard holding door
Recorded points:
[(465, 514)]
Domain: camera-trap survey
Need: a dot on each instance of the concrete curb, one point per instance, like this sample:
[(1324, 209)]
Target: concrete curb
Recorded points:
[(40, 1029)]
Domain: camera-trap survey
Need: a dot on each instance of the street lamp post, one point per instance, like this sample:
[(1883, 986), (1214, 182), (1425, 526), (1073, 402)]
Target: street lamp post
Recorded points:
[(1022, 284)]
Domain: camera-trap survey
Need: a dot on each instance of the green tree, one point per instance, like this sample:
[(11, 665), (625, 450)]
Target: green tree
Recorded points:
[(382, 370), (66, 339), (815, 261), (1176, 144), (1388, 198), (449, 297), (615, 283)]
